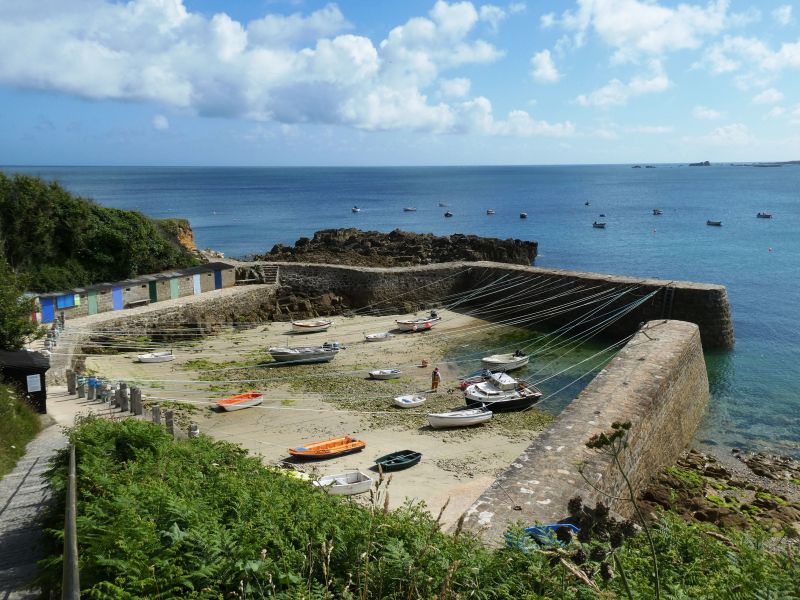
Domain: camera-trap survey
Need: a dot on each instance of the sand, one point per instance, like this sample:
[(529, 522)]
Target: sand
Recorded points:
[(457, 465)]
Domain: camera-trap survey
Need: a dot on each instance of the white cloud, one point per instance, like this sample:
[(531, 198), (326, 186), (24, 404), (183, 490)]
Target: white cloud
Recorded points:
[(455, 88), (543, 69), (617, 93), (783, 14), (736, 134), (492, 15), (776, 112), (547, 20), (651, 129), (160, 123), (735, 53), (517, 7), (477, 117), (769, 96), (706, 114)]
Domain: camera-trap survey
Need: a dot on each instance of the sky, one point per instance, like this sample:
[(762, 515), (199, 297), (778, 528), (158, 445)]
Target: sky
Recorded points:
[(397, 82)]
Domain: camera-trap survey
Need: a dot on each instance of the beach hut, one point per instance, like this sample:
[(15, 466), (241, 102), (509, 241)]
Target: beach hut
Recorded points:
[(26, 371)]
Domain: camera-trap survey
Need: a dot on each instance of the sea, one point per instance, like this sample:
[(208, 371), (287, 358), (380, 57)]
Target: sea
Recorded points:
[(755, 395)]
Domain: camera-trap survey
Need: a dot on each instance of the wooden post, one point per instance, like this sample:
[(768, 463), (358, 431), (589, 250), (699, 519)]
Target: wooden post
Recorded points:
[(72, 382), (136, 401), (117, 398), (124, 389), (82, 390), (170, 422), (157, 414), (123, 400), (91, 393), (70, 577)]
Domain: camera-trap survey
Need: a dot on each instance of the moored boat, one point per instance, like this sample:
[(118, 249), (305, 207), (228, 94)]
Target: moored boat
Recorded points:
[(523, 215), (505, 362), (328, 448), (764, 215), (448, 214), (477, 377), (714, 223), (156, 357), (419, 324), (443, 204), (385, 374), (311, 326), (658, 211), (599, 225), (409, 401), (378, 337), (397, 461), (410, 209), (462, 417), (489, 211), (304, 354), (355, 209), (240, 401), (502, 393), (345, 484)]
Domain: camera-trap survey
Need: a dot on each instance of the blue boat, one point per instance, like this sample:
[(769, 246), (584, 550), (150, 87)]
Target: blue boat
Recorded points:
[(397, 461)]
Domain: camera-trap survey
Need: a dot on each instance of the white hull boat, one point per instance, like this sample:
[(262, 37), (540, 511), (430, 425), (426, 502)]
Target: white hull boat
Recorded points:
[(420, 324), (303, 354), (459, 418), (156, 357), (504, 362), (345, 484), (311, 326), (386, 374), (501, 392), (379, 337), (409, 401)]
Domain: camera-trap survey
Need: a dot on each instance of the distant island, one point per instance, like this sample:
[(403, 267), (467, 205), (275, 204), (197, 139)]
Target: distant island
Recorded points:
[(705, 163)]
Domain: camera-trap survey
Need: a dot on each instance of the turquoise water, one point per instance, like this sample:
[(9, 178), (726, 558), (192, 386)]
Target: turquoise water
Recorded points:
[(755, 400)]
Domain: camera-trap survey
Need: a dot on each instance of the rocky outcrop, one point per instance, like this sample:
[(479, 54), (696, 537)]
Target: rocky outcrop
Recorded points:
[(400, 248), (179, 233)]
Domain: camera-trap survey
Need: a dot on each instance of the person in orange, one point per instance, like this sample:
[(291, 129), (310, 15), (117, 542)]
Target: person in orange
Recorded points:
[(436, 378)]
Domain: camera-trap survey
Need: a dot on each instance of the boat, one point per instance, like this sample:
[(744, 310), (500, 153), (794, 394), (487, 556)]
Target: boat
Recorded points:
[(397, 461), (409, 401), (378, 337), (156, 357), (523, 215), (311, 326), (489, 211), (714, 223), (658, 211), (764, 215), (304, 354), (355, 209), (443, 204), (329, 448), (409, 209), (448, 214), (599, 225), (586, 203), (501, 392), (461, 417), (419, 324), (240, 401), (505, 362), (476, 377), (385, 374), (345, 484)]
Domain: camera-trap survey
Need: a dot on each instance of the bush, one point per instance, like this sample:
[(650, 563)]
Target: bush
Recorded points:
[(19, 424)]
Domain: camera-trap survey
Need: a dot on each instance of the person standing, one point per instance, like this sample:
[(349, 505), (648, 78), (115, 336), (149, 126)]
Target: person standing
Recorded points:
[(436, 378)]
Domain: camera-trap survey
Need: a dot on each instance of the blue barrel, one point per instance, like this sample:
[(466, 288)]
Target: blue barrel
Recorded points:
[(93, 382)]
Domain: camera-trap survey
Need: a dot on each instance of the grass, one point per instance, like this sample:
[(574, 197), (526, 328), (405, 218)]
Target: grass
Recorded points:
[(692, 479), (19, 424)]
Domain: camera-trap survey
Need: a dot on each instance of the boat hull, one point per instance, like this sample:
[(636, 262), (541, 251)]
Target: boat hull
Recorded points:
[(417, 324), (310, 326), (239, 402), (506, 404), (156, 357), (328, 448), (378, 337), (463, 418), (345, 484), (302, 356), (384, 375), (504, 362), (409, 401), (397, 461)]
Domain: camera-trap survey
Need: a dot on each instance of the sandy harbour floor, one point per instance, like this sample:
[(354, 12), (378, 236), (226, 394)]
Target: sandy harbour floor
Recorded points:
[(457, 464)]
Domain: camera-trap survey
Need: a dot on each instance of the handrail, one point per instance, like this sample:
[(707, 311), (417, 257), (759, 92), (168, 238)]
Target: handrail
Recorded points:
[(70, 580)]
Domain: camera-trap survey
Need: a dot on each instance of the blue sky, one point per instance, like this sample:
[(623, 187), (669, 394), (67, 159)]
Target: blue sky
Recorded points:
[(271, 82)]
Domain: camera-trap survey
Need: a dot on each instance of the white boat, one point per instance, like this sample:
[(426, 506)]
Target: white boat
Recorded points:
[(409, 401), (156, 357), (523, 215), (386, 374), (420, 324), (240, 401), (311, 325), (304, 354), (489, 211), (355, 209), (379, 337), (410, 209), (462, 417), (505, 362), (501, 392), (345, 484)]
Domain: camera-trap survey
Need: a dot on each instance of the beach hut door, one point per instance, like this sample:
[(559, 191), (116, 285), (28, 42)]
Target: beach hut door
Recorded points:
[(48, 310), (196, 284), (116, 298), (91, 299), (174, 288), (153, 289), (217, 280)]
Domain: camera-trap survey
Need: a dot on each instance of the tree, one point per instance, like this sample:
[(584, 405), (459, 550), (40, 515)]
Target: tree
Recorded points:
[(16, 326)]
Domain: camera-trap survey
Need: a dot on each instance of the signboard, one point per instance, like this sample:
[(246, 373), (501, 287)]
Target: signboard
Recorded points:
[(34, 383)]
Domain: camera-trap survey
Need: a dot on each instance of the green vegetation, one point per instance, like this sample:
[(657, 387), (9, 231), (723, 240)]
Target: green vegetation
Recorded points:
[(692, 479), (16, 326), (62, 241), (18, 426), (201, 519)]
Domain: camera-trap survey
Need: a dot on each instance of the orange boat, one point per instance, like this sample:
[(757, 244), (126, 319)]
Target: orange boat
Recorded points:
[(240, 401), (328, 448)]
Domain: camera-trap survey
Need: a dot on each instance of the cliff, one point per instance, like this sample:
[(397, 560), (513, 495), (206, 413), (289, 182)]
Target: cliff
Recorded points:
[(400, 248)]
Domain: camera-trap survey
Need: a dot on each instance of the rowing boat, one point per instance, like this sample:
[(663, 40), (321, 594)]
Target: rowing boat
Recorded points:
[(397, 461), (156, 357), (420, 324), (240, 401), (409, 401), (385, 374), (328, 448), (462, 417), (311, 326), (379, 337), (505, 362), (345, 484)]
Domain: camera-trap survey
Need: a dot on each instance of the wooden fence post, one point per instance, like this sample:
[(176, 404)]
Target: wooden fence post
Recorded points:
[(117, 401), (157, 414), (170, 422), (72, 381), (136, 401)]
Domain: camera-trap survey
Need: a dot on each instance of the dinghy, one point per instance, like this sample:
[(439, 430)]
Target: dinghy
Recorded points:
[(462, 417), (397, 461), (489, 211), (311, 326), (156, 357), (378, 337), (501, 392), (304, 355), (764, 215), (385, 374), (329, 448), (240, 401), (714, 223), (420, 324), (355, 209), (599, 225), (409, 209), (658, 211), (505, 362), (409, 401), (345, 484)]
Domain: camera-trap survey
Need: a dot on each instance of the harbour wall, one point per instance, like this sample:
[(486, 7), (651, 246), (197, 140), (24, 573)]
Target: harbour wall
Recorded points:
[(657, 382)]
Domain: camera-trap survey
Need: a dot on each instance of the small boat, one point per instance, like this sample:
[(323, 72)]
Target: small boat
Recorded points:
[(501, 392), (329, 448), (714, 223), (599, 225), (477, 377), (489, 211), (304, 354), (311, 326), (602, 215), (355, 209), (378, 337), (384, 374), (240, 401), (523, 215), (420, 324), (409, 209), (156, 357), (448, 214), (409, 401), (505, 362), (764, 215), (397, 461), (586, 203), (345, 484), (462, 417), (658, 211), (443, 204)]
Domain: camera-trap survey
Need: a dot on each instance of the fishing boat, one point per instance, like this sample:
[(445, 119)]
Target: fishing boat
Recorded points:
[(658, 211), (156, 357), (329, 448), (240, 401), (714, 223), (304, 354), (355, 209), (410, 209), (397, 461), (385, 374), (462, 417), (311, 326), (764, 215), (378, 337), (448, 214), (599, 225), (489, 211), (409, 401), (419, 324), (345, 484), (505, 362), (502, 393)]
